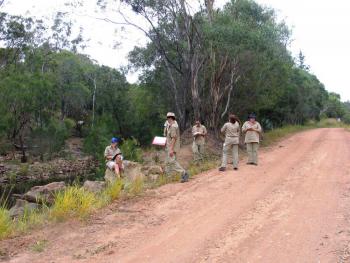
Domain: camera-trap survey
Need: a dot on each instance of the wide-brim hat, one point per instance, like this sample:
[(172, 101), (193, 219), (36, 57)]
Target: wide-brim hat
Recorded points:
[(170, 114), (252, 116)]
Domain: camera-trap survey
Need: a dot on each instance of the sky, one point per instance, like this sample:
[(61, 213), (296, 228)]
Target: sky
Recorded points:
[(320, 29)]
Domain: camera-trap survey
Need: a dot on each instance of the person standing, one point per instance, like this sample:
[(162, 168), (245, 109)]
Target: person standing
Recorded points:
[(252, 130), (198, 132), (173, 147), (113, 155), (231, 130)]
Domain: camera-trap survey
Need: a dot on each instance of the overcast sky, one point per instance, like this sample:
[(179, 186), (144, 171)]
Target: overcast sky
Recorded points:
[(320, 31)]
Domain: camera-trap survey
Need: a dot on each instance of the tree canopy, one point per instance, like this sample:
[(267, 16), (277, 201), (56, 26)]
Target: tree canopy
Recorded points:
[(202, 64)]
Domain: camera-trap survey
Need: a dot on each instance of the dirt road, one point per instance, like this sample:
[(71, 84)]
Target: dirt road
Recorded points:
[(293, 207)]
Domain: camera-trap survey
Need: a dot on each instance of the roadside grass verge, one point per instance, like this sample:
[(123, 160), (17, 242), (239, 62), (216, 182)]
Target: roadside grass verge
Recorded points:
[(73, 202), (275, 135)]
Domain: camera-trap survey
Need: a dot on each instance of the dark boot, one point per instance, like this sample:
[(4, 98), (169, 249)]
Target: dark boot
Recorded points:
[(185, 177), (222, 169)]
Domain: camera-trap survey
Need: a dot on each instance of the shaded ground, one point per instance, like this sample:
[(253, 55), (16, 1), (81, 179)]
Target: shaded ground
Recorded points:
[(293, 207)]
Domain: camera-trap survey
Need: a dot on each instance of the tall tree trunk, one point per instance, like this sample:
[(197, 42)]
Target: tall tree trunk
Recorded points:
[(93, 102)]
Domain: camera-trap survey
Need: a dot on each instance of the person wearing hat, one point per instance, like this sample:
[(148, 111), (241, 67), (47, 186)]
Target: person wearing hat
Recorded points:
[(173, 147), (198, 132), (114, 158), (252, 130), (166, 125), (231, 130)]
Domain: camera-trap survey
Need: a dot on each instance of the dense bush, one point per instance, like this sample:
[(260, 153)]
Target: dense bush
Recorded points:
[(131, 150)]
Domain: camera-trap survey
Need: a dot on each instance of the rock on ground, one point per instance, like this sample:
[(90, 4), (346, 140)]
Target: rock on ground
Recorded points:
[(21, 206), (44, 193), (94, 186), (132, 170)]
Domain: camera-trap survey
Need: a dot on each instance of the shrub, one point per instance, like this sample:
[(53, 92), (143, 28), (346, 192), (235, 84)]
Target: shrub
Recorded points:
[(49, 139), (95, 144), (69, 124), (131, 150), (346, 118), (24, 169), (5, 146), (73, 202)]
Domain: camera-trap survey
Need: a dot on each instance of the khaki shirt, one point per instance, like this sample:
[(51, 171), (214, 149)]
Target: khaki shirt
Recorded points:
[(199, 139), (109, 151), (173, 131), (231, 131), (251, 136)]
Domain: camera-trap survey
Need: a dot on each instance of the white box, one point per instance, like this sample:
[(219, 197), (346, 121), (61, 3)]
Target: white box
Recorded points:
[(161, 141)]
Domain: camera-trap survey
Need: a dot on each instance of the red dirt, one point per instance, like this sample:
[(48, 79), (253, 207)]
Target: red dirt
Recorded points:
[(293, 207)]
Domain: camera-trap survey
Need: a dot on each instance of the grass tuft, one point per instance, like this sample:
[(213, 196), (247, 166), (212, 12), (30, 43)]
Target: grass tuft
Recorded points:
[(197, 168), (136, 187), (30, 219), (75, 201), (110, 193), (39, 246), (6, 226)]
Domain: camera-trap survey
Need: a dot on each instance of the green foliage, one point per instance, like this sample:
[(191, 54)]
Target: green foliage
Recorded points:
[(24, 169), (48, 140), (131, 150), (346, 118), (95, 144), (5, 146), (237, 61)]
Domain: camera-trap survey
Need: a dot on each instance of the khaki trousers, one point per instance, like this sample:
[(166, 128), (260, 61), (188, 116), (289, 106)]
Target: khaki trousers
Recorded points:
[(227, 146), (171, 165), (252, 150), (198, 151)]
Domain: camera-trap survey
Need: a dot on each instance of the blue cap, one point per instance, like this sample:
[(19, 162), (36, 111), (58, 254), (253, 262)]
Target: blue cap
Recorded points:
[(114, 140)]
